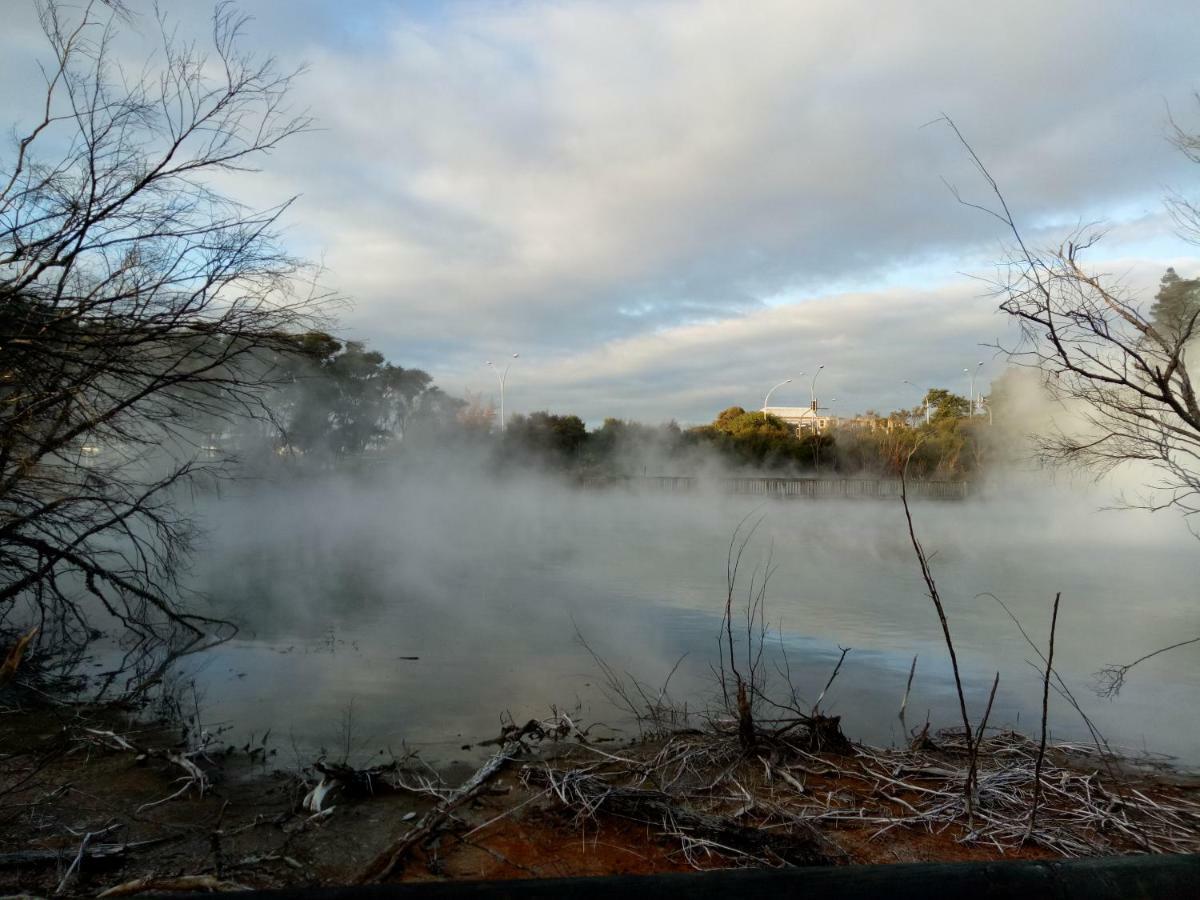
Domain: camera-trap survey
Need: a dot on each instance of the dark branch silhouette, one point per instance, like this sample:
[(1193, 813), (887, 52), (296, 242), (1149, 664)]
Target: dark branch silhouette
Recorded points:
[(141, 312)]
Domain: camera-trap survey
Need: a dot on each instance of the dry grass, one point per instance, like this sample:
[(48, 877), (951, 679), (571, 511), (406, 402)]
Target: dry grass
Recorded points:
[(695, 786)]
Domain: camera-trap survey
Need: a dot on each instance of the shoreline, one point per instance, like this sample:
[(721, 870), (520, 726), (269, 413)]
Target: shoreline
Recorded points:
[(97, 801)]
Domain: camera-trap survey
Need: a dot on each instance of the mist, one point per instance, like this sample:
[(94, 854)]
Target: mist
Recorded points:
[(336, 578)]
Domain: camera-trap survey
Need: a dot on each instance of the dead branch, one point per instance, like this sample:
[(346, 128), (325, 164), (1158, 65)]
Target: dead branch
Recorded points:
[(907, 688), (1110, 679), (931, 585), (387, 861), (799, 846), (141, 310), (1037, 770), (837, 668)]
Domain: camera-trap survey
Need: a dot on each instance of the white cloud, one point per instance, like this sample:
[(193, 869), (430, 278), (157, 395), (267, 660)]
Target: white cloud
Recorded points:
[(597, 178)]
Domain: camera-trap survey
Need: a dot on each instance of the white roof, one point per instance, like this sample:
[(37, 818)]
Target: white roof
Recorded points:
[(790, 412)]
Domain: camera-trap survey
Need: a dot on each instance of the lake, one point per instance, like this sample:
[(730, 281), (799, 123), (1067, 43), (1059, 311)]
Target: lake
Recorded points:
[(488, 582)]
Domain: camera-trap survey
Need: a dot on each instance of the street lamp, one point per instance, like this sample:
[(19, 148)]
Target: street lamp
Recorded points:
[(812, 391), (924, 399), (502, 376), (767, 398), (972, 372)]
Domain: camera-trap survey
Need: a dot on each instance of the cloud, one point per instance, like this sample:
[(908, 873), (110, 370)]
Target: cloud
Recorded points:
[(594, 177), (869, 344)]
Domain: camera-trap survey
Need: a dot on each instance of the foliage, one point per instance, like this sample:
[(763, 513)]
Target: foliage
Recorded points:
[(946, 448), (345, 399), (544, 438), (946, 405), (1176, 305), (763, 441)]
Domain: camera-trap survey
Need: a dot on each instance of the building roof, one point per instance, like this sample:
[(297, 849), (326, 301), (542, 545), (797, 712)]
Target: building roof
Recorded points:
[(791, 412)]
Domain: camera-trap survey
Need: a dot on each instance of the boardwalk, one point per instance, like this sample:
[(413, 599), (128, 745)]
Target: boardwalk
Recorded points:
[(812, 488)]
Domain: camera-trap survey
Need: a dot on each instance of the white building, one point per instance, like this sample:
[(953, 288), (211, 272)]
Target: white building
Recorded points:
[(802, 418)]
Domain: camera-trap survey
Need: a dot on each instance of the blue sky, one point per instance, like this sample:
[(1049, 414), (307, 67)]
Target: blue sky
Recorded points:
[(667, 207)]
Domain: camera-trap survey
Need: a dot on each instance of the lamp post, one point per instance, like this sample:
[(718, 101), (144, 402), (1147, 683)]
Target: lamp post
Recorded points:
[(767, 398), (924, 399), (971, 372), (503, 376), (812, 391)]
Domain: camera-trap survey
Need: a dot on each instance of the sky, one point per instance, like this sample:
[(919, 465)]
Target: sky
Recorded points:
[(667, 207)]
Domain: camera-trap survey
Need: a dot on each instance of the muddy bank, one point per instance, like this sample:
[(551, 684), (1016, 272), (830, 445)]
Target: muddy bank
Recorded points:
[(91, 801)]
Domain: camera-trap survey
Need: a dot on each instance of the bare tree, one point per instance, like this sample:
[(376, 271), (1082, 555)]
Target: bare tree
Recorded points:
[(1117, 359), (140, 308), (1103, 350)]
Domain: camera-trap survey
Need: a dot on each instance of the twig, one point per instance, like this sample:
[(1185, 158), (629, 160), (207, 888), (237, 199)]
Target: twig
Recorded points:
[(78, 861), (1110, 679), (817, 705), (908, 688), (1037, 769), (973, 770)]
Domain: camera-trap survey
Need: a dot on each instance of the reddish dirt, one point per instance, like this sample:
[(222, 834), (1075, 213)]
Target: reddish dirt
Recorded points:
[(249, 828), (545, 844)]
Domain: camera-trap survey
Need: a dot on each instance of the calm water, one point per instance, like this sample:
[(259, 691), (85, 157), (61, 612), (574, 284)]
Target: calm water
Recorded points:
[(488, 584)]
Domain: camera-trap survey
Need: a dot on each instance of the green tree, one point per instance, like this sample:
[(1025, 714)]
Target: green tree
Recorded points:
[(763, 441), (728, 415), (1176, 305), (545, 438), (346, 399), (947, 405)]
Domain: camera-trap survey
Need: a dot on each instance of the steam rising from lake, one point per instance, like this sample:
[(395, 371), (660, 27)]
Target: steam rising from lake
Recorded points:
[(487, 579)]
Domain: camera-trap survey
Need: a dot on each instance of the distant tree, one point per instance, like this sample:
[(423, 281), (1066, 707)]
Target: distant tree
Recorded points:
[(475, 415), (1176, 305), (544, 438), (947, 405), (763, 440), (738, 423), (346, 399), (728, 415)]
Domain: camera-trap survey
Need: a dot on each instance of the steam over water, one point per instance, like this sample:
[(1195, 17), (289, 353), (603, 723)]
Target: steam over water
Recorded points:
[(487, 582)]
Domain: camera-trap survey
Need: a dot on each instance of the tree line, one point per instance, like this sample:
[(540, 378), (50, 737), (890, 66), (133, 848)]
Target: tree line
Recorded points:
[(340, 401)]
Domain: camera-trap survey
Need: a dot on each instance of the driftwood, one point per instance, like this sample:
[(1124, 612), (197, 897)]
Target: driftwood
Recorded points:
[(387, 861)]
